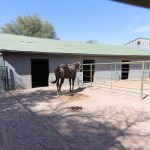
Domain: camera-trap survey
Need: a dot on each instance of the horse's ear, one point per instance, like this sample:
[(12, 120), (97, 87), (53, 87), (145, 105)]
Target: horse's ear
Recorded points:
[(79, 63)]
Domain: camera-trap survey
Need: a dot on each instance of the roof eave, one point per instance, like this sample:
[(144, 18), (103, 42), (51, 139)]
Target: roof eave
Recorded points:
[(68, 54)]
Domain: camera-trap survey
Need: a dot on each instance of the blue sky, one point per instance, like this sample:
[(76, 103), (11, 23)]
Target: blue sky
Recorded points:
[(81, 20)]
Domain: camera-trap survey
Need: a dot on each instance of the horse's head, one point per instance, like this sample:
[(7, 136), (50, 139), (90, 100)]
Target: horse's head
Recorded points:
[(77, 65)]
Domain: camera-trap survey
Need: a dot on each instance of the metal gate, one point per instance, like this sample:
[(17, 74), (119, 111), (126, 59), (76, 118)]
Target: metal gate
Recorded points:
[(131, 76), (3, 79)]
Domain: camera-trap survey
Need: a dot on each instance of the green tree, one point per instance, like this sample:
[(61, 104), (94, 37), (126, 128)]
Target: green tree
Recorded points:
[(30, 26), (92, 41)]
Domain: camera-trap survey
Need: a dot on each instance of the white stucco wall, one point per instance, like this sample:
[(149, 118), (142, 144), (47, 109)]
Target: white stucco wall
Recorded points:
[(19, 66)]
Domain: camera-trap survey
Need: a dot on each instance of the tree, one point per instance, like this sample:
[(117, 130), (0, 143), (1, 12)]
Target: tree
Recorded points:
[(91, 41), (30, 26)]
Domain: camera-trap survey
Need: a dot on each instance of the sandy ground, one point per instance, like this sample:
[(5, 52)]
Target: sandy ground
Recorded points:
[(41, 119)]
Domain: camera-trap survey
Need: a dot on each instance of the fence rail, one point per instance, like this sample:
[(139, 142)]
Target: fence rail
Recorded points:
[(131, 76)]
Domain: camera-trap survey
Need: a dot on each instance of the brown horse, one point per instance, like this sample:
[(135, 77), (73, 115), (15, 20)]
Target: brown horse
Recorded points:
[(65, 71)]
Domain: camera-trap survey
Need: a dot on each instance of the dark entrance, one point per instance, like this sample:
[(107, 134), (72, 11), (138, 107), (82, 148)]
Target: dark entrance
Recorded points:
[(125, 70), (87, 70), (39, 72)]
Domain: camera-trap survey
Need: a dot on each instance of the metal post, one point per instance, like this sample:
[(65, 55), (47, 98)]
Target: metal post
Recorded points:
[(149, 69), (145, 72), (142, 79), (91, 75), (111, 79), (115, 67), (115, 72)]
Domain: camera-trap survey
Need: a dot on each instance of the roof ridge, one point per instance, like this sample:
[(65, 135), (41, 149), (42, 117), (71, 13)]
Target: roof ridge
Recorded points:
[(137, 39), (67, 41)]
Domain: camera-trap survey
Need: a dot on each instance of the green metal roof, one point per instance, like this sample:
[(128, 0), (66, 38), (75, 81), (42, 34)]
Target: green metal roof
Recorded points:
[(17, 43)]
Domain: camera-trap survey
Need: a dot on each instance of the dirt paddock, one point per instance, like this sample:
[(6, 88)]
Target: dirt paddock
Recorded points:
[(97, 119)]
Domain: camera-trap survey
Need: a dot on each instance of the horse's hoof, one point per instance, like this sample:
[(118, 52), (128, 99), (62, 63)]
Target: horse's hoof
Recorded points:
[(58, 93)]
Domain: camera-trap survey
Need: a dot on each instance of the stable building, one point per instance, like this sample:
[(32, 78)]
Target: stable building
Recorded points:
[(28, 62), (142, 43)]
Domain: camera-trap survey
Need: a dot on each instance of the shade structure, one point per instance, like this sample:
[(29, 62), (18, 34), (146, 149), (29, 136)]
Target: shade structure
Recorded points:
[(142, 3)]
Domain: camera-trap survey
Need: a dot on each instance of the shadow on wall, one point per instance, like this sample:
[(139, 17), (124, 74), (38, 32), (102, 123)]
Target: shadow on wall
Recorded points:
[(21, 65), (15, 82), (60, 129), (12, 80)]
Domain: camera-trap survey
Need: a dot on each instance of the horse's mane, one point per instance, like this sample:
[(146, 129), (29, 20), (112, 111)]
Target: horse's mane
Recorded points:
[(76, 65)]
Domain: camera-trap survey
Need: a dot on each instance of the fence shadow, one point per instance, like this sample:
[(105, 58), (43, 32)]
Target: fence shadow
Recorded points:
[(104, 129), (107, 129)]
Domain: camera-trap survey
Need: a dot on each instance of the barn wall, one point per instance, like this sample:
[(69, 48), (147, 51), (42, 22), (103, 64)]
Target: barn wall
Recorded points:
[(19, 66), (19, 71)]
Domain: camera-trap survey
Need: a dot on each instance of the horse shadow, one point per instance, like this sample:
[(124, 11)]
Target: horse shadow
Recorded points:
[(72, 93)]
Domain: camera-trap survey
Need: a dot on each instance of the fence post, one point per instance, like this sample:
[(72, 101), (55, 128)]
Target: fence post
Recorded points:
[(148, 69), (115, 72), (111, 79), (91, 75), (142, 79)]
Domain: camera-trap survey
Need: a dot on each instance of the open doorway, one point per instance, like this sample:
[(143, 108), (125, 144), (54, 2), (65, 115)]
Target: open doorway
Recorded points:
[(39, 72), (87, 71), (125, 70)]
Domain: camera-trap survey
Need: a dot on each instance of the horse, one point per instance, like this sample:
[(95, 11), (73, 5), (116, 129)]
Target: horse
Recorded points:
[(66, 71)]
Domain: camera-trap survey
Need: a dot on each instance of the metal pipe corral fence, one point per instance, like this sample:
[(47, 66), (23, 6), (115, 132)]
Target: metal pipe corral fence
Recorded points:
[(133, 76)]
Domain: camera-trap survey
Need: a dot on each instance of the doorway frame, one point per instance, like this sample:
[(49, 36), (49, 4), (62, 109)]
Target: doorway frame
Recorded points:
[(33, 83), (88, 71)]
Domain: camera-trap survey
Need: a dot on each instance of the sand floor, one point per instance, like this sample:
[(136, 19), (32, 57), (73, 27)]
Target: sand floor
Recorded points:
[(41, 119)]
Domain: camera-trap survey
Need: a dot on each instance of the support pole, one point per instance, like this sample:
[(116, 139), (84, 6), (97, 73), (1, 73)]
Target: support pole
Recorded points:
[(91, 75), (111, 79), (142, 79)]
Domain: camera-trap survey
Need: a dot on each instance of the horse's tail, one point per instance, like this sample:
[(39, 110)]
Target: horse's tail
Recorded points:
[(54, 81), (56, 76)]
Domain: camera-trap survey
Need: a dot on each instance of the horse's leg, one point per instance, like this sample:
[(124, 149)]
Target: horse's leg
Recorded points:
[(73, 79), (58, 85), (73, 84), (61, 82), (70, 84)]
